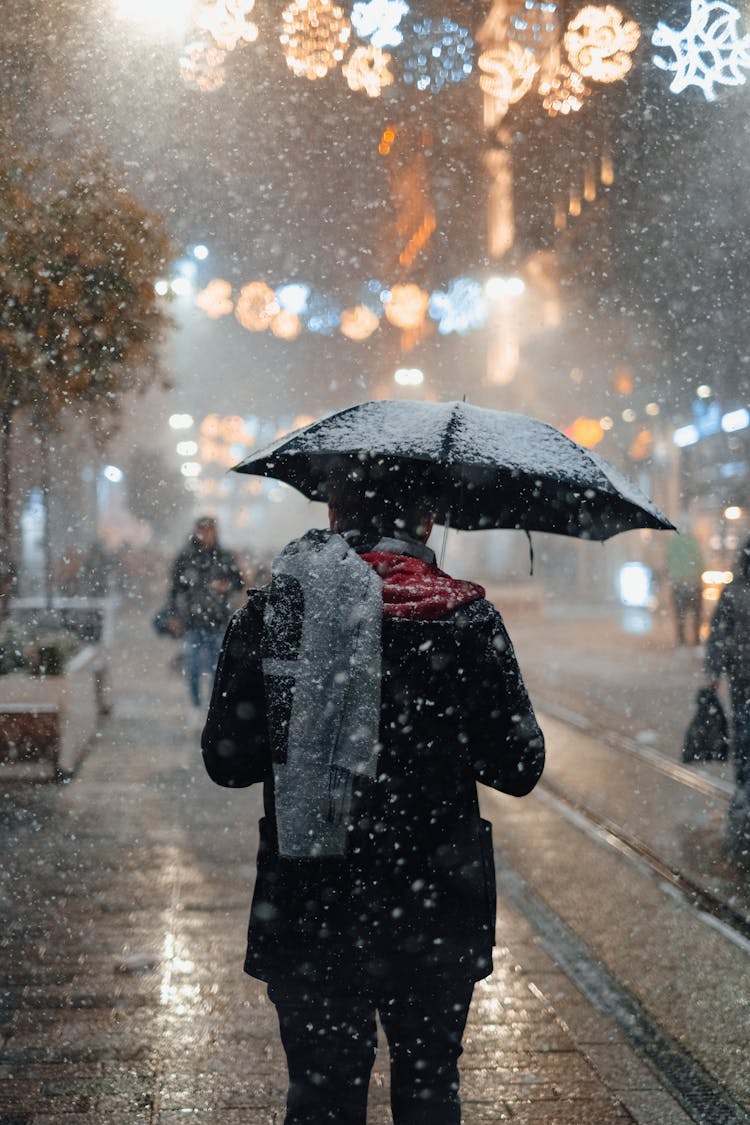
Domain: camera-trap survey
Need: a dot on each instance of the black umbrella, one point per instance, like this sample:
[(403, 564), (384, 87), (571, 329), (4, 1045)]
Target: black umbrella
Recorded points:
[(480, 468)]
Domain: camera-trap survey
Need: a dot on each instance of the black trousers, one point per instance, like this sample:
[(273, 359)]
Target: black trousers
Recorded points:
[(329, 1034)]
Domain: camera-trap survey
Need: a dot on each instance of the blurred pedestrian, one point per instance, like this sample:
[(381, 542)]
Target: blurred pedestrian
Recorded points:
[(728, 654), (204, 579), (369, 691), (685, 569)]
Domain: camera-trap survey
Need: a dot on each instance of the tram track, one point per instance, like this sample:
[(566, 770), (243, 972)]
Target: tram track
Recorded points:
[(710, 786), (682, 1070), (705, 1098), (716, 910)]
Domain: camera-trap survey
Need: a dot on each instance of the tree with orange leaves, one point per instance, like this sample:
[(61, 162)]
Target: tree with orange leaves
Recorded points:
[(80, 322)]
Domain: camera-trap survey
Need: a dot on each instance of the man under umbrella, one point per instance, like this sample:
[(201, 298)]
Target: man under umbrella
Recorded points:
[(369, 692)]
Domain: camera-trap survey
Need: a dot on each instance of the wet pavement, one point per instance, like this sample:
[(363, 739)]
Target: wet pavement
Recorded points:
[(125, 894)]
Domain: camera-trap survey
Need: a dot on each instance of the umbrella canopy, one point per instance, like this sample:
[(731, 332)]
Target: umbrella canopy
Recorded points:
[(480, 468)]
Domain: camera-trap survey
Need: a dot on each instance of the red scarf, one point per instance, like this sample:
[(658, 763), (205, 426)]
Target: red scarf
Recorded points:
[(416, 589)]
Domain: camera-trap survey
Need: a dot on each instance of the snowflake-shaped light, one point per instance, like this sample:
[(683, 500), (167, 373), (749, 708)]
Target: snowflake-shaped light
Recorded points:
[(439, 52), (707, 50), (314, 35), (462, 308), (201, 65), (600, 43), (378, 20), (367, 69), (229, 22)]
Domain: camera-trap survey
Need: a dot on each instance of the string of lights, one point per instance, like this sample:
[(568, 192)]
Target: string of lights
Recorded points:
[(562, 60)]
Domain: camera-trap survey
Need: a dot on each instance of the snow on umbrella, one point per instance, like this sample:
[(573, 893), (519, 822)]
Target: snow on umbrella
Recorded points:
[(480, 468)]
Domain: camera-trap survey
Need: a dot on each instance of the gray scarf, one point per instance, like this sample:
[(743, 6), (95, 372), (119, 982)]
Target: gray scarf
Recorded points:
[(330, 680)]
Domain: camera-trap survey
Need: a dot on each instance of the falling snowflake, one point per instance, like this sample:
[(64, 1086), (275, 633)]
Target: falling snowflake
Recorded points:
[(707, 50)]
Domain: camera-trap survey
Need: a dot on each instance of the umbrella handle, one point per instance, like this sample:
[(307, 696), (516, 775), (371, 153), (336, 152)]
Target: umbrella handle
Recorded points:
[(446, 529)]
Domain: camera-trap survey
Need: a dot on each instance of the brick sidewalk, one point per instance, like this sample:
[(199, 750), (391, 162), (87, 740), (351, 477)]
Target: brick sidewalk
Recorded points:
[(126, 894)]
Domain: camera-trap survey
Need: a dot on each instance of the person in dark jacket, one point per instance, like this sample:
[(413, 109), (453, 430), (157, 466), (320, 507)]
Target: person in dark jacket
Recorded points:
[(728, 654), (368, 692), (203, 580)]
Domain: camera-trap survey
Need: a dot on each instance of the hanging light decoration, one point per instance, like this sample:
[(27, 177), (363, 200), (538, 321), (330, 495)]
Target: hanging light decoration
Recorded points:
[(378, 20), (286, 325), (367, 69), (439, 52), (507, 71), (463, 308), (229, 22), (216, 299), (314, 36), (256, 306), (201, 65), (406, 306), (564, 93), (600, 43), (358, 323)]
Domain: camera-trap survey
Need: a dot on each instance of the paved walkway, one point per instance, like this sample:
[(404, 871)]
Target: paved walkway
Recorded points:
[(125, 894)]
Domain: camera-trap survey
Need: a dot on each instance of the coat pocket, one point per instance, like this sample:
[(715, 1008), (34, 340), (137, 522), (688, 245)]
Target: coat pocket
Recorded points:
[(488, 865)]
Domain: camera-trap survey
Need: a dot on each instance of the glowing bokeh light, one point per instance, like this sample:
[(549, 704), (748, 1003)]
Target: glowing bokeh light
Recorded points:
[(201, 66), (406, 306), (256, 306), (600, 43), (367, 69), (216, 299), (157, 15), (408, 376), (707, 50), (286, 325), (314, 36), (294, 297), (564, 93), (358, 323), (507, 72), (463, 308), (379, 21), (229, 22), (439, 52)]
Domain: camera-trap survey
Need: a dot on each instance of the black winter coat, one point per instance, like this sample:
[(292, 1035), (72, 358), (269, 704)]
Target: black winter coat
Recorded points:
[(193, 599), (728, 647), (418, 883)]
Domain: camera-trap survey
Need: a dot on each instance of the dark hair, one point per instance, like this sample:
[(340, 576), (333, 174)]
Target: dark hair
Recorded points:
[(379, 497)]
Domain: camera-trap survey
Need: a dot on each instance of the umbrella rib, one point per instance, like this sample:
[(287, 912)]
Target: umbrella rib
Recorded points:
[(450, 429)]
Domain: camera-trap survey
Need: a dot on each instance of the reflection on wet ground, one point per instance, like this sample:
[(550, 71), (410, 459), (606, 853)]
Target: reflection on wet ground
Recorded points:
[(126, 894)]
